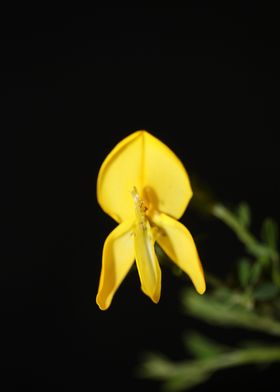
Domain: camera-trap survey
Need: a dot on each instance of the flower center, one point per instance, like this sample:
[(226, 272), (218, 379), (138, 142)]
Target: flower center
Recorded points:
[(140, 207)]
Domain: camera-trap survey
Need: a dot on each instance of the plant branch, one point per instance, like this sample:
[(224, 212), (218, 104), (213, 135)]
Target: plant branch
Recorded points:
[(253, 246)]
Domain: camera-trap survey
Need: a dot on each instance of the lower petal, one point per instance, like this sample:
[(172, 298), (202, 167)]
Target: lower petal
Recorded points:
[(117, 259), (177, 242), (146, 260)]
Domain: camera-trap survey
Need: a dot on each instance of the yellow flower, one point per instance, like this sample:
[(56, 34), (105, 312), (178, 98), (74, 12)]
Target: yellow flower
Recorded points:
[(145, 188)]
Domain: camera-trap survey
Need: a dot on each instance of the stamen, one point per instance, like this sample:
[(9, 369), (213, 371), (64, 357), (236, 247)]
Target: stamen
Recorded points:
[(138, 202), (146, 259)]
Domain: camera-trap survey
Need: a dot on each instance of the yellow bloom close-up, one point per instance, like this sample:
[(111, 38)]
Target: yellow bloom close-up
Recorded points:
[(145, 188)]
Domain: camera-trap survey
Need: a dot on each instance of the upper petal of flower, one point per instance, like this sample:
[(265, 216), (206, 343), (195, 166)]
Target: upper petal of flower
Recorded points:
[(142, 161), (177, 242)]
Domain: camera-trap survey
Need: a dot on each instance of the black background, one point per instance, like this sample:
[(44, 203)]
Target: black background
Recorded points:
[(203, 79)]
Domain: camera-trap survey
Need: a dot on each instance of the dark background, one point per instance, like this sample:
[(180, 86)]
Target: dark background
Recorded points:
[(204, 80)]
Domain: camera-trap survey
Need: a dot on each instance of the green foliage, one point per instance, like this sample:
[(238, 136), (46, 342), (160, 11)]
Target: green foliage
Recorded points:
[(251, 302), (232, 312), (244, 214), (256, 271), (202, 347), (244, 272), (263, 250), (269, 233), (179, 376), (266, 291)]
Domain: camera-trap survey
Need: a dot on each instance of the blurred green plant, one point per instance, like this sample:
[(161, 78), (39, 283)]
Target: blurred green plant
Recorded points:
[(248, 300)]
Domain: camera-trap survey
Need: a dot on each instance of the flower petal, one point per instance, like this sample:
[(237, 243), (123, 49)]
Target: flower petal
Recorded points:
[(177, 242), (119, 173), (117, 259), (142, 161), (146, 260), (165, 180)]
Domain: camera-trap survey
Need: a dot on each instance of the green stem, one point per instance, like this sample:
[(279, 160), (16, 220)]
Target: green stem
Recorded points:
[(252, 244), (217, 313), (179, 376), (276, 271), (246, 356)]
